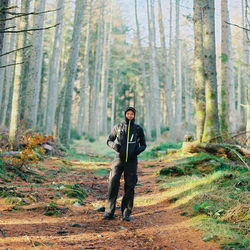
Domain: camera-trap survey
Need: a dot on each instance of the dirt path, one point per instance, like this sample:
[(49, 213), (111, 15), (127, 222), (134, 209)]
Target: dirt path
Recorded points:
[(155, 225)]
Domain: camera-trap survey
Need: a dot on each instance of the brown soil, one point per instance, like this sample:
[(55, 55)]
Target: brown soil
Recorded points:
[(157, 226)]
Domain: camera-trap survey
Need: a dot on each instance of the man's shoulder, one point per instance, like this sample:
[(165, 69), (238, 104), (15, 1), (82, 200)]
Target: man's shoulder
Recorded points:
[(138, 127)]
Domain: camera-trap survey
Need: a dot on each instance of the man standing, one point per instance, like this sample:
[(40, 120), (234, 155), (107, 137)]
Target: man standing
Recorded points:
[(130, 143)]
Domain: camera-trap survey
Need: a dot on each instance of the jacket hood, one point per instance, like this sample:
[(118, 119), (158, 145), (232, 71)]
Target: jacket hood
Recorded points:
[(126, 110)]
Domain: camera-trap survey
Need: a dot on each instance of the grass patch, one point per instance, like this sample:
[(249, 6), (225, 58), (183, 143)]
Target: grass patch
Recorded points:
[(101, 172), (213, 191)]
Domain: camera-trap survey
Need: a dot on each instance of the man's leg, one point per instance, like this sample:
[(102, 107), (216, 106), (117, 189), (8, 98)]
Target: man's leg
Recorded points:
[(130, 176), (114, 183)]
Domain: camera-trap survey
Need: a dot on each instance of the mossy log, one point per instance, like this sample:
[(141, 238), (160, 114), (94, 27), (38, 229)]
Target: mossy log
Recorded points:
[(230, 151)]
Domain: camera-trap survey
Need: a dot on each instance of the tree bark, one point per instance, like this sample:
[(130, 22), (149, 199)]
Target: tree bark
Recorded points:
[(3, 4), (156, 86), (54, 70), (228, 112), (8, 76), (35, 66), (199, 80), (168, 84), (211, 127), (84, 92), (178, 102), (144, 78), (17, 87), (70, 70)]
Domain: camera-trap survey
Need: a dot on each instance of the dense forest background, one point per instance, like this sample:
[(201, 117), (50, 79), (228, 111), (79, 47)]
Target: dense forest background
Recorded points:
[(70, 68)]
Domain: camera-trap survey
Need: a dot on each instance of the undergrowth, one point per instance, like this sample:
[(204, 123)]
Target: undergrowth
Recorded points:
[(213, 191)]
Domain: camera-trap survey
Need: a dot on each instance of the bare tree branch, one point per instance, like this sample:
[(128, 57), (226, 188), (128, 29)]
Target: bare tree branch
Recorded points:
[(9, 52), (10, 28), (19, 31), (8, 8), (8, 65), (17, 15), (237, 26)]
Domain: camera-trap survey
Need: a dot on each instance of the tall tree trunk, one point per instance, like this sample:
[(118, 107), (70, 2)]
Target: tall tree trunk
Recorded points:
[(83, 107), (71, 67), (228, 112), (155, 74), (168, 84), (151, 81), (211, 127), (95, 88), (178, 101), (3, 4), (3, 61), (239, 95), (105, 103), (113, 105), (17, 87), (35, 66), (199, 80), (25, 68), (8, 76), (245, 65), (102, 116), (54, 70), (145, 83)]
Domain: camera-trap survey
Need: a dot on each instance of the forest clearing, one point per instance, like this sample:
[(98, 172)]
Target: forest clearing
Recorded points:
[(149, 95)]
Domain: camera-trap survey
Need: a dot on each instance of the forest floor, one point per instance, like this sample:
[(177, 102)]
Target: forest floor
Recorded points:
[(75, 221)]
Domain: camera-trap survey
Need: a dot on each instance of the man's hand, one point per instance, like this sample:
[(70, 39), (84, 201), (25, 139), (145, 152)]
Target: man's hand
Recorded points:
[(117, 147)]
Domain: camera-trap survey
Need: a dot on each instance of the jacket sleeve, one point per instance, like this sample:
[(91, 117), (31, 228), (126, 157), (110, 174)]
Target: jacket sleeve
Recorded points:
[(111, 139), (142, 141)]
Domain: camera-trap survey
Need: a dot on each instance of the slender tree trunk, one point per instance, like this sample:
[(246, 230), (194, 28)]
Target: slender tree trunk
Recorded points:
[(102, 116), (155, 74), (3, 4), (168, 84), (199, 80), (8, 76), (35, 66), (239, 95), (105, 104), (26, 59), (145, 84), (17, 87), (70, 70), (113, 105), (3, 61), (95, 87), (228, 111), (54, 70), (211, 127), (178, 101), (83, 109), (151, 81)]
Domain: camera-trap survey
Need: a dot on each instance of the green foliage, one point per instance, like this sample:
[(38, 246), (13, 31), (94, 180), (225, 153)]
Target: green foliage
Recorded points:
[(74, 134), (224, 58), (75, 191), (90, 138), (101, 172), (52, 209)]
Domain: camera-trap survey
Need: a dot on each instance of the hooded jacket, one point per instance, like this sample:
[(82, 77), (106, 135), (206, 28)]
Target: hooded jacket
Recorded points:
[(130, 139)]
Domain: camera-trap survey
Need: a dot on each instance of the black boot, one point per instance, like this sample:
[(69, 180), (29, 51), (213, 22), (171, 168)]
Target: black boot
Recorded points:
[(126, 215), (108, 216)]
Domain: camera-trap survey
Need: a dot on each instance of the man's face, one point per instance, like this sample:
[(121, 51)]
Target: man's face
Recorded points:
[(130, 114)]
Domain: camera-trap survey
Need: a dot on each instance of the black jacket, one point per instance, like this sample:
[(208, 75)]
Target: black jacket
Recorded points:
[(127, 148)]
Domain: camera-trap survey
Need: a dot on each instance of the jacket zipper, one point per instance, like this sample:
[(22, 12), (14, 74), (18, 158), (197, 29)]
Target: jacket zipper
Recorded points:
[(127, 141)]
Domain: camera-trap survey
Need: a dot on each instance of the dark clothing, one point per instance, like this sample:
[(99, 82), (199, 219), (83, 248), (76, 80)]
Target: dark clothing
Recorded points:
[(136, 141), (130, 143), (130, 177)]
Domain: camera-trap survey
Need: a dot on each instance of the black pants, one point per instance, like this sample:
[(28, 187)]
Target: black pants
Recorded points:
[(130, 177)]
